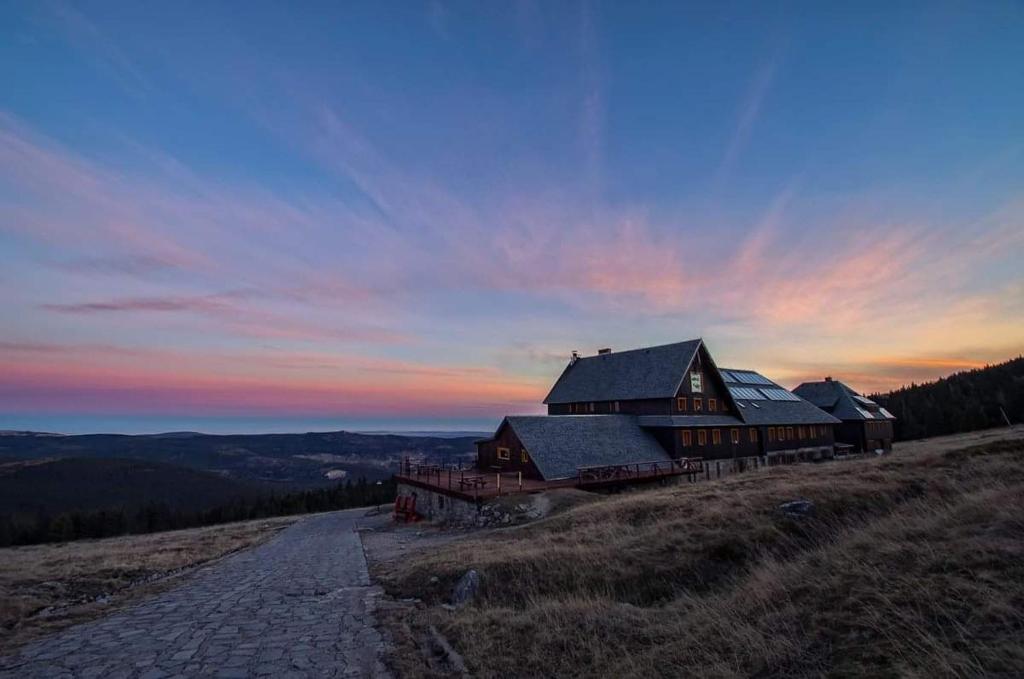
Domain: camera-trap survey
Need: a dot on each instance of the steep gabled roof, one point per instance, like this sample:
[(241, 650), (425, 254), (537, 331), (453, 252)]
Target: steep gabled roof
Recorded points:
[(560, 444), (842, 401), (650, 372), (764, 402)]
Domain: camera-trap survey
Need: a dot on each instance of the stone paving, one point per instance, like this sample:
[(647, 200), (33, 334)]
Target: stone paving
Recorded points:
[(300, 605)]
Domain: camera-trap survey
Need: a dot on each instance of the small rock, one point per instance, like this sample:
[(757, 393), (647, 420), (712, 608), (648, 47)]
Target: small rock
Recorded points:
[(466, 588), (797, 509), (434, 580)]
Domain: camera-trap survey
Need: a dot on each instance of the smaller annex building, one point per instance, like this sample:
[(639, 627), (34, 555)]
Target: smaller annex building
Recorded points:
[(865, 425), (655, 405)]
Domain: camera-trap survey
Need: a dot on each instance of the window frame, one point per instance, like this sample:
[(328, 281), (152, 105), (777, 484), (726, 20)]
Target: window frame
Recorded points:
[(789, 434), (702, 437), (504, 454), (753, 435), (716, 437), (681, 404), (524, 457), (712, 405), (687, 437), (734, 436), (698, 404)]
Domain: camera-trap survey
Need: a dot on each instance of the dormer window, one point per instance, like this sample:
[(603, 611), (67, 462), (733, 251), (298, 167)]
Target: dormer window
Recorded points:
[(681, 404), (712, 405), (698, 404)]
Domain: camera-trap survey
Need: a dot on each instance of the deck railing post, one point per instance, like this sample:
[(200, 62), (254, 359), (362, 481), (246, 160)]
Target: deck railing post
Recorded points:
[(520, 480)]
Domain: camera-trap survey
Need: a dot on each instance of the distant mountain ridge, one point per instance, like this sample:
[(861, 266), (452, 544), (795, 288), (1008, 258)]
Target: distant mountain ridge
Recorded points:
[(290, 460), (964, 401)]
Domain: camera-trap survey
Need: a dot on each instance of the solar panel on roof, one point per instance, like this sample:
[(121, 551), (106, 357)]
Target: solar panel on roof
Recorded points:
[(887, 413), (865, 401), (728, 376), (751, 378), (779, 395), (865, 413), (747, 393)]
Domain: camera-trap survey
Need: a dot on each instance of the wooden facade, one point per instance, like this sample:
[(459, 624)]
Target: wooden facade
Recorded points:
[(506, 453)]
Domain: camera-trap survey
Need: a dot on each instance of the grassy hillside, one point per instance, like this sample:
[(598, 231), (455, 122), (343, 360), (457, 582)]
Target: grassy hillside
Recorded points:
[(292, 460), (965, 401), (912, 565)]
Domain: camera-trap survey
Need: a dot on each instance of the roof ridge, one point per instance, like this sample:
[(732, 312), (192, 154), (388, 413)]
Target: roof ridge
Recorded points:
[(635, 349)]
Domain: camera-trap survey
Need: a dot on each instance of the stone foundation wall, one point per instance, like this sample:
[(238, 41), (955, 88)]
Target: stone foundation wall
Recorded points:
[(440, 508)]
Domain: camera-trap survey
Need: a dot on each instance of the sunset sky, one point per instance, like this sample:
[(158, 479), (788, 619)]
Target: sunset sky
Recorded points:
[(394, 215)]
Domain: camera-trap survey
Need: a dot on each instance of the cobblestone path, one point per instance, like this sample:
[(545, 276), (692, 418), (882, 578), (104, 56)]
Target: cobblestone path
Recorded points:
[(300, 605)]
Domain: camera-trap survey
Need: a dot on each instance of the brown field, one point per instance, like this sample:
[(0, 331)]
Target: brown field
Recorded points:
[(913, 565), (46, 587)]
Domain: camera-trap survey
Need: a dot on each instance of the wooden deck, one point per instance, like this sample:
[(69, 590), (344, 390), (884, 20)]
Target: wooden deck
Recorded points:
[(474, 484)]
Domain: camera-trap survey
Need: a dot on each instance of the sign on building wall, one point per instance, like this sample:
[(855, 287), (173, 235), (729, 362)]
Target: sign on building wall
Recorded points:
[(695, 381)]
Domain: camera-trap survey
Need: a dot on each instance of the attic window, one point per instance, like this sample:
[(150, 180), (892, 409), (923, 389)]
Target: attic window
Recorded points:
[(681, 404), (504, 454), (523, 457), (698, 404), (712, 405)]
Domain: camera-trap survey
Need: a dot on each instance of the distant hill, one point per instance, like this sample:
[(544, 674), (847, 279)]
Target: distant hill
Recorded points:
[(964, 401), (52, 486), (289, 460)]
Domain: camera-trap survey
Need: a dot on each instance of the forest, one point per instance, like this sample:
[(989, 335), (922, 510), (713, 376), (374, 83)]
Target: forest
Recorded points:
[(35, 528), (965, 401)]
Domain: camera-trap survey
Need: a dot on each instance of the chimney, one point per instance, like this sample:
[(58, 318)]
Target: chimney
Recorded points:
[(575, 356), (602, 352), (828, 379)]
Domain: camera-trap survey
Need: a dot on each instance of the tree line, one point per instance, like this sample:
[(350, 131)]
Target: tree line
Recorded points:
[(40, 527), (964, 401)]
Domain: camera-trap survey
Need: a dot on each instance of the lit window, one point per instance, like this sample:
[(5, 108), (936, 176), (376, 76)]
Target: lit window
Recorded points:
[(716, 436), (687, 438), (734, 434), (702, 437), (523, 457), (504, 454), (698, 404), (712, 405), (753, 435), (681, 404)]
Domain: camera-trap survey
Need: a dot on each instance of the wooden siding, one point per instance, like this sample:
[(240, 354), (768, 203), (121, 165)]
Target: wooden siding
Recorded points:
[(487, 459)]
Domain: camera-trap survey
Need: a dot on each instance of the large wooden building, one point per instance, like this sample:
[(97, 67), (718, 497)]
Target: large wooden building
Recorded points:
[(864, 425), (655, 404)]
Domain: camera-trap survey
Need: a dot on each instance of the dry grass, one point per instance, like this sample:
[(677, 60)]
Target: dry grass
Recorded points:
[(913, 565), (46, 587)]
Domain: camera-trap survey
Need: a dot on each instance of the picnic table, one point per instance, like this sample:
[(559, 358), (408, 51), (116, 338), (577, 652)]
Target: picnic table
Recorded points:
[(472, 482)]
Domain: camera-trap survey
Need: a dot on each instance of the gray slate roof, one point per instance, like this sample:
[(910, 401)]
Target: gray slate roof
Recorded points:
[(842, 401), (769, 412), (650, 372), (559, 444)]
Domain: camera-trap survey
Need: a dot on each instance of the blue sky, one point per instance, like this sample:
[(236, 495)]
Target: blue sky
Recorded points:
[(412, 212)]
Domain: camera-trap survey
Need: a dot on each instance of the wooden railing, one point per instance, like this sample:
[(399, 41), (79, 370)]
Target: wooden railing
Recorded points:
[(639, 470)]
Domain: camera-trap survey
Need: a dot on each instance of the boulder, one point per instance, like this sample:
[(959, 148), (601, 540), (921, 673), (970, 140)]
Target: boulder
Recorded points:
[(466, 588)]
